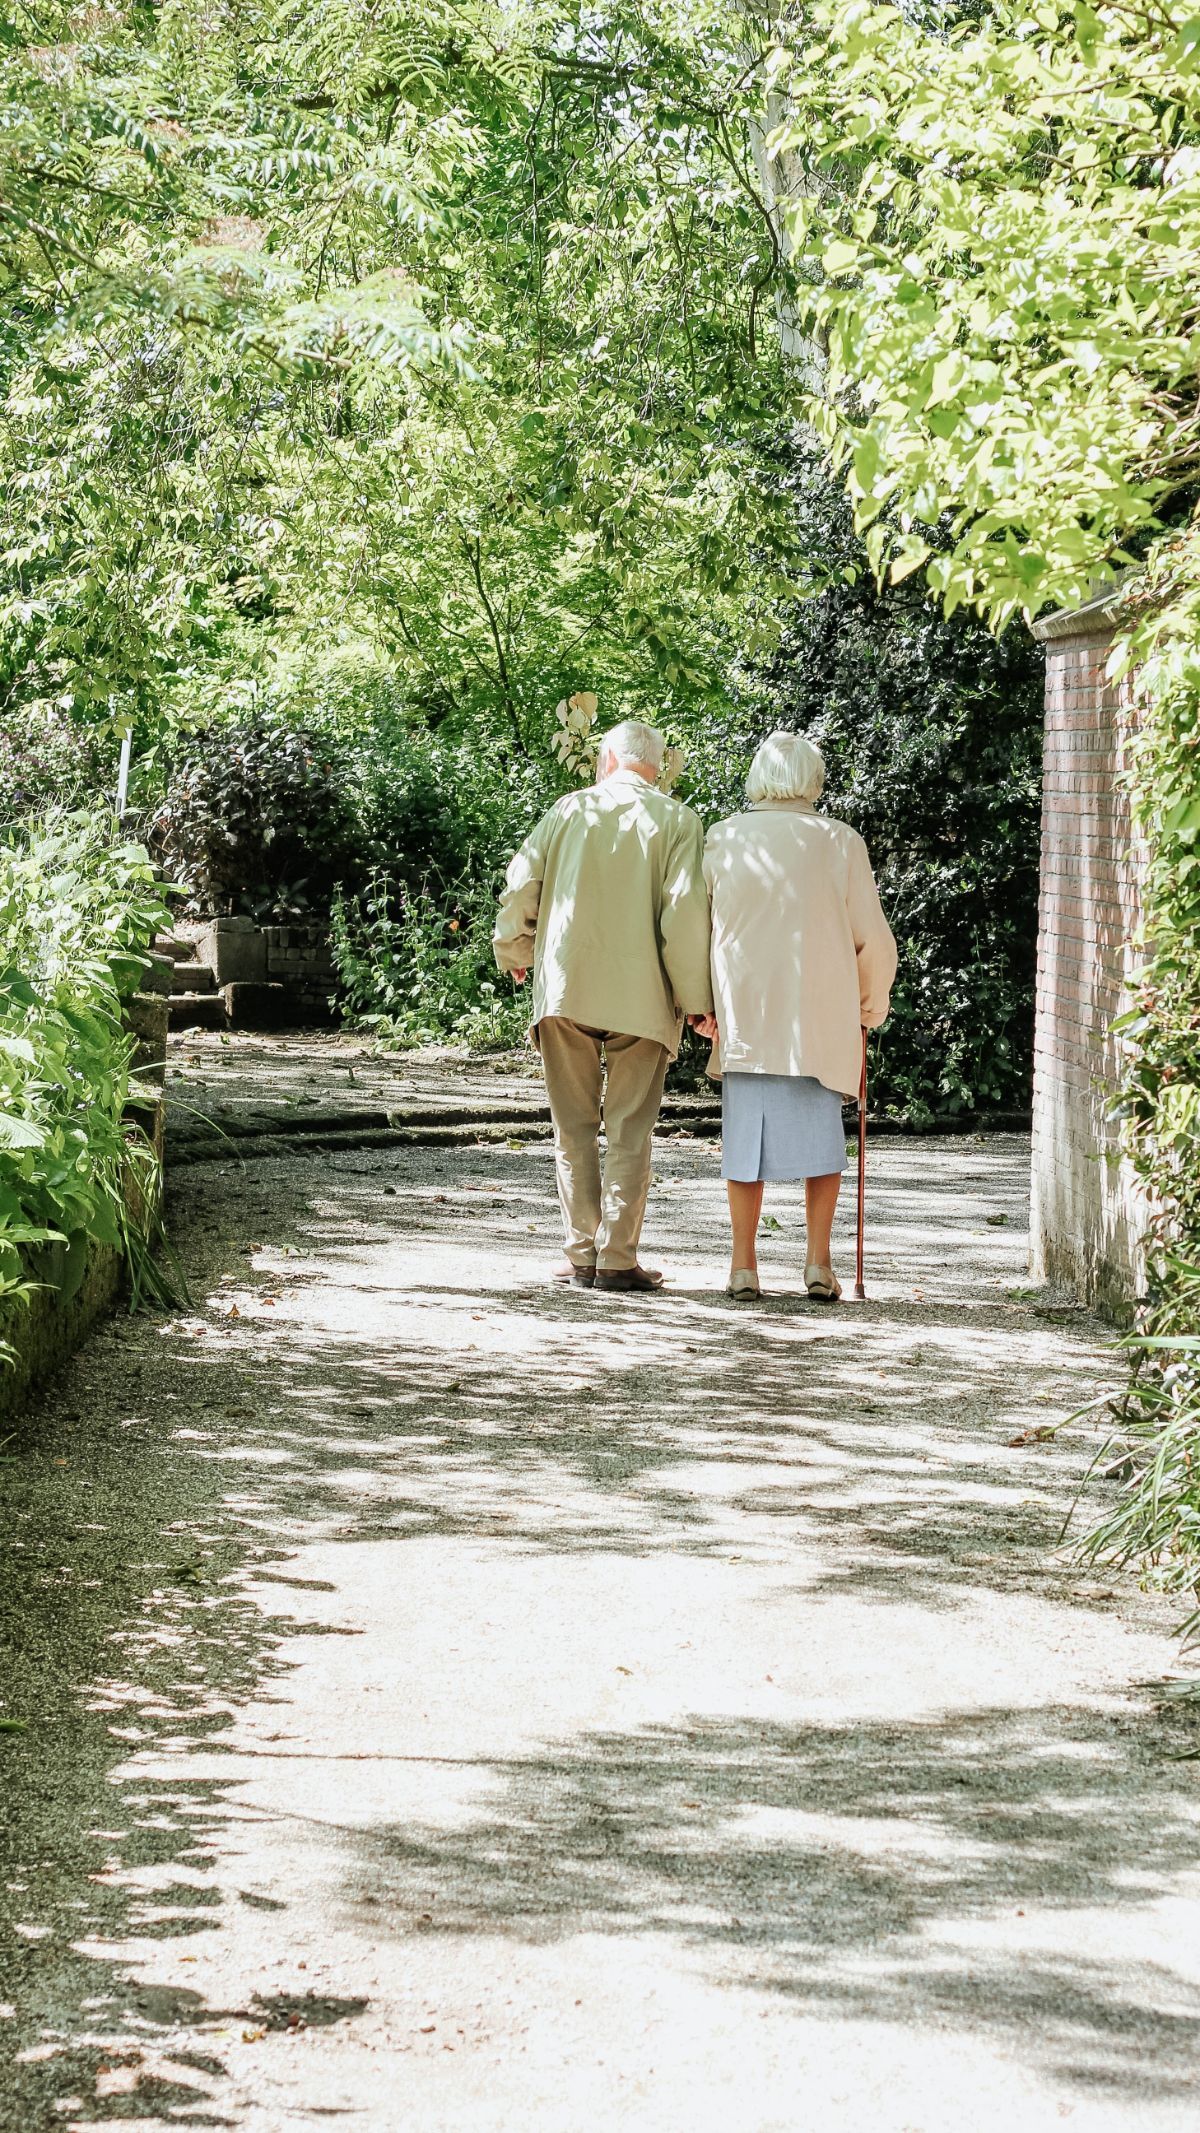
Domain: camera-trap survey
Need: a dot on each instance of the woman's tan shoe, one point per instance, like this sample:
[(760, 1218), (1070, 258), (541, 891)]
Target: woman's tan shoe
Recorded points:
[(822, 1284), (743, 1285)]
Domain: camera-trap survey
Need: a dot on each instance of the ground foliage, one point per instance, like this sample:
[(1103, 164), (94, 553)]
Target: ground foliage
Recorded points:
[(996, 232), (77, 911), (317, 779)]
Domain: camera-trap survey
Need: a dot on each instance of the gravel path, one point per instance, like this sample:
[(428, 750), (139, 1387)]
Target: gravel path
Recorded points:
[(455, 1705)]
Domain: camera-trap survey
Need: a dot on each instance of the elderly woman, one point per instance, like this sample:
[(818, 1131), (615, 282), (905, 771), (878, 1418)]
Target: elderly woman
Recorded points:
[(802, 960)]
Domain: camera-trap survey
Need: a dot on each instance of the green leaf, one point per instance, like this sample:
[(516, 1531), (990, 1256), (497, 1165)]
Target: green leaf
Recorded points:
[(913, 554), (19, 1133), (839, 257)]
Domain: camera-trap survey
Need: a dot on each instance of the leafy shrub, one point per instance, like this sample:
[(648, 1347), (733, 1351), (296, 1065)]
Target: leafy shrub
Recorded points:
[(418, 968), (76, 915), (418, 808), (931, 732), (269, 814), (50, 760), (1156, 1518), (254, 818)]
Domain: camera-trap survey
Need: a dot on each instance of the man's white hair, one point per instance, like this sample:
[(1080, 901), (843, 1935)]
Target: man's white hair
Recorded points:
[(786, 767), (631, 742)]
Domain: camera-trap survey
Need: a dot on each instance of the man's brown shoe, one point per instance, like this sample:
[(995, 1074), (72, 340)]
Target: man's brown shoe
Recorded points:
[(628, 1277), (581, 1277)]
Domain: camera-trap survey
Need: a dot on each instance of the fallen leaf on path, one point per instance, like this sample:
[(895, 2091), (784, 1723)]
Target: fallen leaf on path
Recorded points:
[(253, 2036)]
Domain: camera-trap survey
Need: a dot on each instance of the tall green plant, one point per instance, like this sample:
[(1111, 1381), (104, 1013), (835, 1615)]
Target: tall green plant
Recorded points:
[(931, 730), (417, 967), (76, 915)]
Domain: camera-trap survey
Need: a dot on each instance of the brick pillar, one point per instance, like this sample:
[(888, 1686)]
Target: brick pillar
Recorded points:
[(1086, 1217)]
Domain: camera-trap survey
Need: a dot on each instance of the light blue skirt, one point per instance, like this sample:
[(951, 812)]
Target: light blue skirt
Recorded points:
[(776, 1126)]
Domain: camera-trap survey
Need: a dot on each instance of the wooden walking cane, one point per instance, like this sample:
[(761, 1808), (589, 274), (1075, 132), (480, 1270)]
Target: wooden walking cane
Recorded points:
[(859, 1290)]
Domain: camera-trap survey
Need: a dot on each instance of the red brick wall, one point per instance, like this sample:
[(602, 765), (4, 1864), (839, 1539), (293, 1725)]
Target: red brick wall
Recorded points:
[(1085, 1215)]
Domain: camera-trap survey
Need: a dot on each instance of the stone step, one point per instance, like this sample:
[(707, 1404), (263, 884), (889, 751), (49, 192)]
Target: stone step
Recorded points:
[(193, 977), (198, 1010)]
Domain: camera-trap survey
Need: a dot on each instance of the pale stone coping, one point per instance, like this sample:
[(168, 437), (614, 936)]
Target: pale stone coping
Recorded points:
[(1090, 619)]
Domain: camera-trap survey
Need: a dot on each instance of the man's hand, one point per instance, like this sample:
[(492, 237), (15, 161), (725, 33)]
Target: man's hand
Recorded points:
[(519, 976), (704, 1026)]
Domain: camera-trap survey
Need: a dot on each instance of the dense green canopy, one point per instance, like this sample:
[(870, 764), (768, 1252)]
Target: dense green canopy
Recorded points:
[(445, 328)]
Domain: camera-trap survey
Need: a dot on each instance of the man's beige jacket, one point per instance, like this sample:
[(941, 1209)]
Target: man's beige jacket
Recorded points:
[(605, 902), (802, 955)]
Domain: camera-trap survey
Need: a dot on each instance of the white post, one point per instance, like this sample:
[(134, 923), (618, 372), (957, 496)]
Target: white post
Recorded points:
[(123, 775)]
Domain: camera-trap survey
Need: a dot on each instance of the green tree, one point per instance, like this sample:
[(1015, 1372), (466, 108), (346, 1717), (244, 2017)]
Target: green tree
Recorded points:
[(434, 327)]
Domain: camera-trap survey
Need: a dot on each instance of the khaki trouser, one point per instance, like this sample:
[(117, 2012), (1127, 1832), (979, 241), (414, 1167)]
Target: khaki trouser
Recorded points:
[(602, 1219)]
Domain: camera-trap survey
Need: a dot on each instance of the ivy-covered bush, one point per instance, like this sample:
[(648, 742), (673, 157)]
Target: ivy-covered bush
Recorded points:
[(254, 818), (1157, 1517), (77, 913)]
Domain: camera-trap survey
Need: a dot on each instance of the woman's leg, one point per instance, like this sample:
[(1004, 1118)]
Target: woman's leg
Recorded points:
[(745, 1207), (820, 1206)]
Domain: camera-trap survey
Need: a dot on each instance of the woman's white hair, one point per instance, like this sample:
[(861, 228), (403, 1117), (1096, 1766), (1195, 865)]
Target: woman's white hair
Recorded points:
[(631, 742), (787, 767)]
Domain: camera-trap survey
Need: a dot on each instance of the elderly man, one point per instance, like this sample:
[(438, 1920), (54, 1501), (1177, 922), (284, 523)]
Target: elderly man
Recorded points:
[(606, 903)]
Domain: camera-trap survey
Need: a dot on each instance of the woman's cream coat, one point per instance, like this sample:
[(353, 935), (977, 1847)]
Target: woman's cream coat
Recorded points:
[(802, 955)]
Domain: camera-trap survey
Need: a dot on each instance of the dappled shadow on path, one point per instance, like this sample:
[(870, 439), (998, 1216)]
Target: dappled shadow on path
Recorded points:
[(398, 1376), (879, 1871), (395, 1398)]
